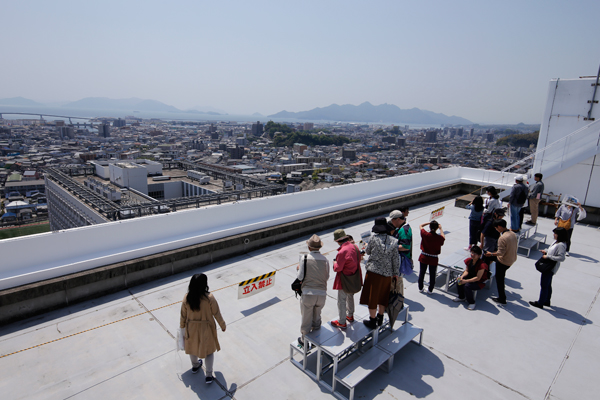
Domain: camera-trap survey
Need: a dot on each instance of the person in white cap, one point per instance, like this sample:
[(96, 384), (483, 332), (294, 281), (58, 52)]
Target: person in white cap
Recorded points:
[(517, 199), (314, 274)]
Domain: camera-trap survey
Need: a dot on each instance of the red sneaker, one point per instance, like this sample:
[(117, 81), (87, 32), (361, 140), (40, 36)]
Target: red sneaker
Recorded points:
[(350, 318), (336, 324)]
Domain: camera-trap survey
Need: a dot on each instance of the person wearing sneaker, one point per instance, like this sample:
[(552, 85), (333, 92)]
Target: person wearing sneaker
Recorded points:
[(382, 265), (199, 310), (431, 247), (506, 255), (566, 216), (347, 262), (535, 196), (473, 278), (476, 207), (314, 275), (555, 252)]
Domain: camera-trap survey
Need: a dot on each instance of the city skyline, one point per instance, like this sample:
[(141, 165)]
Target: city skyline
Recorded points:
[(489, 63)]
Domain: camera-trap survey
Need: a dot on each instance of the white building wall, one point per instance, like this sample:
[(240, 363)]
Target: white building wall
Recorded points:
[(79, 249), (565, 112)]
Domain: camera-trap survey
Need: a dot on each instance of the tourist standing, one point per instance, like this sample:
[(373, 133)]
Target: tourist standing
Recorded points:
[(506, 255), (517, 199), (381, 266), (199, 310), (566, 216), (556, 252), (476, 207), (347, 262), (314, 286), (535, 196), (431, 247)]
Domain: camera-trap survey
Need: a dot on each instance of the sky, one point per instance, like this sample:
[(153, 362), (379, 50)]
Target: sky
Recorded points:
[(488, 61)]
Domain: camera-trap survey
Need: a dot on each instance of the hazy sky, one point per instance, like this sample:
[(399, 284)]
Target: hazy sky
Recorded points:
[(487, 61)]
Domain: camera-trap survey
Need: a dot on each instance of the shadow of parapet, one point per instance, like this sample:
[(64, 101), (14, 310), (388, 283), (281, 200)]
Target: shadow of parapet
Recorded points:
[(261, 306), (569, 315), (411, 364)]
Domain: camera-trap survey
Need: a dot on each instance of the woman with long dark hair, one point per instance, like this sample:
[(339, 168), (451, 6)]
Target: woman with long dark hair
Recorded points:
[(198, 313), (556, 252), (493, 201), (476, 207)]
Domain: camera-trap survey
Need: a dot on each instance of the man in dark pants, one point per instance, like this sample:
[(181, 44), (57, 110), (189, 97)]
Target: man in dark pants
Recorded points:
[(506, 255)]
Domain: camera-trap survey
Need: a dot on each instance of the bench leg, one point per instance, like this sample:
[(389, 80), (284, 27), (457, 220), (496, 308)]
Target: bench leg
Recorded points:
[(351, 397)]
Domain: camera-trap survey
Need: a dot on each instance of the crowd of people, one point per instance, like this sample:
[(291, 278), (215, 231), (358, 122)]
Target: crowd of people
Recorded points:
[(389, 250)]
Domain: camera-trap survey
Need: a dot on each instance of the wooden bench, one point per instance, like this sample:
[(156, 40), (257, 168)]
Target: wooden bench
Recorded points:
[(355, 372)]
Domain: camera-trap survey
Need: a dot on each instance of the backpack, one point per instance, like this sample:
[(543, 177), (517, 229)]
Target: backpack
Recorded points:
[(522, 197)]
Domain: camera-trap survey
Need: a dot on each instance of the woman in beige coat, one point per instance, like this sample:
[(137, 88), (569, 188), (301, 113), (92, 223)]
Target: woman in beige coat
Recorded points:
[(198, 313)]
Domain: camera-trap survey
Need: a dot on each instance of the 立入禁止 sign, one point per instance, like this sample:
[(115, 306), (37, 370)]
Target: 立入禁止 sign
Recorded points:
[(435, 214), (256, 285)]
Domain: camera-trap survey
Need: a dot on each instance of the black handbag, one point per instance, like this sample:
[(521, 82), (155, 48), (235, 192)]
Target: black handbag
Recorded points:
[(545, 265), (297, 284)]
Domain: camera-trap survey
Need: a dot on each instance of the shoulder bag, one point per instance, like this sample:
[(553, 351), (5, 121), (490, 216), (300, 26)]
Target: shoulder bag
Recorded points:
[(545, 265), (297, 284), (352, 284)]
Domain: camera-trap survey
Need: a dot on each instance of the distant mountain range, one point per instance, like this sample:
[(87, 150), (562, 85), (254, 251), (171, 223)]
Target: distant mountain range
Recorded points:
[(367, 112), (104, 103), (19, 101)]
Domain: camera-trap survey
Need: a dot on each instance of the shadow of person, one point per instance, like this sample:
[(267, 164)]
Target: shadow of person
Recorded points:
[(197, 383), (414, 306), (569, 315), (411, 364), (411, 278), (583, 258), (518, 311), (512, 283)]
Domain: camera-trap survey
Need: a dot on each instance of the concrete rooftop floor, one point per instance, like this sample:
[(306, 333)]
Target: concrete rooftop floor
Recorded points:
[(122, 345)]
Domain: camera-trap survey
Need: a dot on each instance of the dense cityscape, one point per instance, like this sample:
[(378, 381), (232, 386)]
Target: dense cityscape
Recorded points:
[(328, 154)]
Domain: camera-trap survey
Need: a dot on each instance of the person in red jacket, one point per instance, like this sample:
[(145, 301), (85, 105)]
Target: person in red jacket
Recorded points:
[(431, 247), (346, 262)]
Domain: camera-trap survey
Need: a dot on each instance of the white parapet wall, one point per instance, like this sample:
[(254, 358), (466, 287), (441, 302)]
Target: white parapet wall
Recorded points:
[(44, 256)]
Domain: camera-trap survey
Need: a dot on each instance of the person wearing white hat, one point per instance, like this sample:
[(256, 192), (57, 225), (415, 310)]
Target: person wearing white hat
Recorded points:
[(517, 199)]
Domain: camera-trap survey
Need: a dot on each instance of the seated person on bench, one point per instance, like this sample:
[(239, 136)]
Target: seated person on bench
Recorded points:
[(473, 278)]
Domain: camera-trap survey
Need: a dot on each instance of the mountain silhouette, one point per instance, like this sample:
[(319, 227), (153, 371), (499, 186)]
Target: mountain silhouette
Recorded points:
[(367, 112), (19, 101), (131, 104)]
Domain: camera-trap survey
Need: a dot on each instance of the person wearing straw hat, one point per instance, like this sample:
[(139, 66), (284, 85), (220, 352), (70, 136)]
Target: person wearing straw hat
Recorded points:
[(347, 262), (314, 286)]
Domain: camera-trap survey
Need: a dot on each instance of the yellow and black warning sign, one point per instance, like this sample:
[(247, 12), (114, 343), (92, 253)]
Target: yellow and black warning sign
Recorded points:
[(256, 285)]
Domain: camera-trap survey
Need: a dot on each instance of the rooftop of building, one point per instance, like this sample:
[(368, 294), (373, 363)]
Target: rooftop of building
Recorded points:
[(122, 345)]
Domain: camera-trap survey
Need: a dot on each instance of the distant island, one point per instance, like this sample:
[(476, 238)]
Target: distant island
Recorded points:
[(367, 112), (19, 101)]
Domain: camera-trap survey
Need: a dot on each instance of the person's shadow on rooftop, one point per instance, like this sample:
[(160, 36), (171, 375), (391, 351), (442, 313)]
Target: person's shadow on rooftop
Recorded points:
[(216, 390), (569, 315), (583, 258), (518, 307), (411, 364)]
